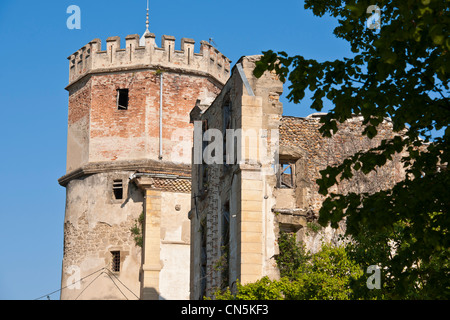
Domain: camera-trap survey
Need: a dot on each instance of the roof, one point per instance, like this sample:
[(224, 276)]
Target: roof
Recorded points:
[(173, 185), (167, 181)]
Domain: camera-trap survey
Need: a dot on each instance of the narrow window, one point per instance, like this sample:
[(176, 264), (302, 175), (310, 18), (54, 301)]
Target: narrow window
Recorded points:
[(203, 261), (204, 166), (285, 175), (225, 246), (226, 126), (118, 189), (122, 99), (115, 263)]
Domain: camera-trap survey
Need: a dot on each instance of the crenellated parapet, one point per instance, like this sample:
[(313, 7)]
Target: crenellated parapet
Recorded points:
[(92, 59)]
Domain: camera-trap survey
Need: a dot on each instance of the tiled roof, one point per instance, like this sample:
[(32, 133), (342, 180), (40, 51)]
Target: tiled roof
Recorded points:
[(172, 181), (168, 173), (173, 185)]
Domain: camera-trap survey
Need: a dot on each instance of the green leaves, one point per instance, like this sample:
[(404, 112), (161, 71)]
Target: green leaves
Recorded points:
[(400, 73), (292, 256), (326, 275)]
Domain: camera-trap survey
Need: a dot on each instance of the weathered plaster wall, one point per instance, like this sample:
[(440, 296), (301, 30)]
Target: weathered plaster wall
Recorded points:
[(175, 245), (96, 224)]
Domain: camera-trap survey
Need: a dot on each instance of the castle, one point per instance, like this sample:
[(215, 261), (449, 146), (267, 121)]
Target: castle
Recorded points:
[(134, 112)]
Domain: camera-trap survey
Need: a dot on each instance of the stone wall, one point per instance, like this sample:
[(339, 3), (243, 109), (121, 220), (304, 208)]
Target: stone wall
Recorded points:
[(231, 218), (92, 59), (267, 190), (95, 225), (303, 144)]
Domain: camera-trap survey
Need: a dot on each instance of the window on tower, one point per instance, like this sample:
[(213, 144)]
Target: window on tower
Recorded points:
[(122, 99), (118, 189), (115, 262)]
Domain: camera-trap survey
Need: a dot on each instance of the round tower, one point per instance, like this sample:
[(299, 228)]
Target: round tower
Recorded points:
[(126, 228)]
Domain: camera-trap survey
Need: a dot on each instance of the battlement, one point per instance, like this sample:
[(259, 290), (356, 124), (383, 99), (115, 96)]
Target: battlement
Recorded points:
[(91, 58)]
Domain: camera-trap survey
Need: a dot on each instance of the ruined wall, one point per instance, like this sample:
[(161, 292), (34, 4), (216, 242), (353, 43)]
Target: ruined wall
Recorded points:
[(268, 191), (96, 224), (231, 218), (303, 144)]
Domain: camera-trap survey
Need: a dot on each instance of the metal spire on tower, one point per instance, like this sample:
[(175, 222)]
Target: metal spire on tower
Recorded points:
[(146, 22), (142, 40)]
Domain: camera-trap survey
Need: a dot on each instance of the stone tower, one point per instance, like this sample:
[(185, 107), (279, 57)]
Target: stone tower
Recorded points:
[(129, 156)]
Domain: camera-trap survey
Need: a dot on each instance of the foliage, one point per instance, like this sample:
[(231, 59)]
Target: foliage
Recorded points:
[(401, 72), (263, 289), (313, 226), (292, 257), (327, 274), (418, 279), (136, 230)]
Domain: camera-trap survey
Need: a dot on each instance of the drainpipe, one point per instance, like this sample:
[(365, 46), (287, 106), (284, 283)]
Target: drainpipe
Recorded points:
[(160, 114)]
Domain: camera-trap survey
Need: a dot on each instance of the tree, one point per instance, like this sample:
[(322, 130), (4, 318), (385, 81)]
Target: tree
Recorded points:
[(400, 71), (325, 275)]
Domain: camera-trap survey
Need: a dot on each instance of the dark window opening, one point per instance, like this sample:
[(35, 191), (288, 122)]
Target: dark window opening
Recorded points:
[(225, 246), (203, 262), (115, 263), (204, 167), (118, 189), (226, 126), (122, 99)]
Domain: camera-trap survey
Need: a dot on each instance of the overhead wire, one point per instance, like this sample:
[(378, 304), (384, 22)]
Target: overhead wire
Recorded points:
[(108, 272), (123, 284), (49, 294), (89, 284), (116, 285)]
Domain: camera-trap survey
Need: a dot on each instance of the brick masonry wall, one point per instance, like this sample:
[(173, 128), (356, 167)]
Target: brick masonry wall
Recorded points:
[(78, 124), (98, 131), (134, 133)]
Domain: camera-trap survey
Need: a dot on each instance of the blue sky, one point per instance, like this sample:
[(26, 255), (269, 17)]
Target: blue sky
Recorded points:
[(35, 44)]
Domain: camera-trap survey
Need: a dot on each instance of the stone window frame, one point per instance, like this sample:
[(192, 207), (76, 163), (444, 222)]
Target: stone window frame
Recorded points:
[(116, 261), (123, 251), (117, 189), (111, 179), (281, 171)]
